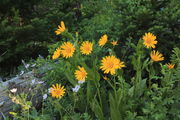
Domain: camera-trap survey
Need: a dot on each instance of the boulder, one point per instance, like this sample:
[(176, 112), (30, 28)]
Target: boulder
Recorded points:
[(23, 83)]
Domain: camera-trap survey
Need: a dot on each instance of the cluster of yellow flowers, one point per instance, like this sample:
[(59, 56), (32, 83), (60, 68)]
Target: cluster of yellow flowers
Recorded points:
[(109, 64), (150, 42), (67, 49), (104, 39)]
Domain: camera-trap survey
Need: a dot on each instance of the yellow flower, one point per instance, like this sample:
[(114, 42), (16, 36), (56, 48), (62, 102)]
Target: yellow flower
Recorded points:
[(103, 40), (156, 56), (57, 91), (110, 64), (170, 65), (114, 43), (149, 40), (86, 47), (61, 28), (56, 54), (80, 74), (67, 49)]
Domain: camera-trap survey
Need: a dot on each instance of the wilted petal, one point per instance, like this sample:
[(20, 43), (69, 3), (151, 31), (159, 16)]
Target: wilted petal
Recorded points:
[(14, 90)]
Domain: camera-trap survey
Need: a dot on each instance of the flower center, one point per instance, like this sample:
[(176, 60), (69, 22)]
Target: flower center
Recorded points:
[(87, 48), (148, 41), (68, 50), (57, 92), (110, 65)]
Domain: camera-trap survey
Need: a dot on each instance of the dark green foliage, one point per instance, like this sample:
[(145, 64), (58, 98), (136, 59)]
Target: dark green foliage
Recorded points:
[(27, 28), (20, 40), (122, 19)]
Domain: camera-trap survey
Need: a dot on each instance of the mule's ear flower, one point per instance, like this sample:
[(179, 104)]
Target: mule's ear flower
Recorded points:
[(110, 64), (156, 56), (80, 74), (56, 54), (114, 43), (63, 25), (61, 28), (86, 47), (67, 49), (170, 65), (57, 91), (149, 40), (103, 40)]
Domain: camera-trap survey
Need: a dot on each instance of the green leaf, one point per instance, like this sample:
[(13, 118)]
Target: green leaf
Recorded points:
[(96, 108)]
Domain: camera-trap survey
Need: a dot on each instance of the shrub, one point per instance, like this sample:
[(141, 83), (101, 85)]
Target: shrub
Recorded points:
[(94, 85)]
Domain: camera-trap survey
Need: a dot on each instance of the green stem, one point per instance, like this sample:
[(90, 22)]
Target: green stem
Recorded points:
[(149, 82), (115, 92), (150, 74), (170, 75), (74, 103), (28, 114), (111, 84), (99, 96)]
